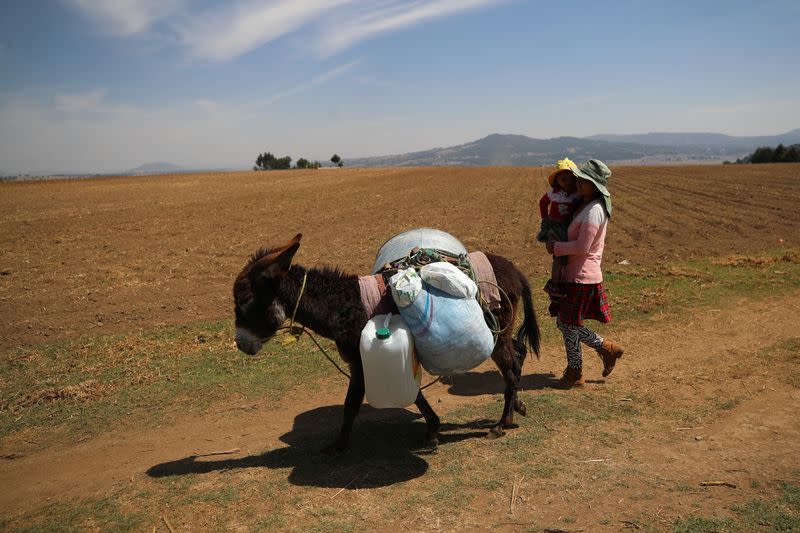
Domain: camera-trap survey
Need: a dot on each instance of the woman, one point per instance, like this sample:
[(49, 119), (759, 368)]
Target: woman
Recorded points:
[(585, 296)]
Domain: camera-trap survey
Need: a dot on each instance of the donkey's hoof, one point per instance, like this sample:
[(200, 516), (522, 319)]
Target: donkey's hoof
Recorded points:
[(432, 440), (519, 406), (431, 444), (496, 432)]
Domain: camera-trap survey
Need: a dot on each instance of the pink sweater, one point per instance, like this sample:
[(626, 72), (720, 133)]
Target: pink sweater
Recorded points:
[(586, 240)]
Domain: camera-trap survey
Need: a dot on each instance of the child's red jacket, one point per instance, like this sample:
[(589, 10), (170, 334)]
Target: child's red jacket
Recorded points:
[(557, 204)]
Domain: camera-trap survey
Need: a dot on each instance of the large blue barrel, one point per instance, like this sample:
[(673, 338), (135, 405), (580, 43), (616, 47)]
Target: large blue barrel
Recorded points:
[(401, 244)]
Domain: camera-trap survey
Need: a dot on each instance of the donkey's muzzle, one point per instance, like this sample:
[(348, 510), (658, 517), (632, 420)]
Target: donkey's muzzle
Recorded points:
[(247, 342)]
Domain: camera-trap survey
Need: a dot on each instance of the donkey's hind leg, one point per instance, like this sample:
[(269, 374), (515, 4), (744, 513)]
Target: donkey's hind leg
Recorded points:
[(509, 362), (431, 419), (520, 353)]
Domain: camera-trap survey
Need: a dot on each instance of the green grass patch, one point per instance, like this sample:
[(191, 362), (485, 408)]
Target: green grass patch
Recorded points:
[(272, 522), (726, 405), (786, 353), (221, 496), (673, 287), (694, 524), (546, 411), (542, 469), (102, 514), (549, 407), (640, 293), (326, 525), (781, 513), (87, 386)]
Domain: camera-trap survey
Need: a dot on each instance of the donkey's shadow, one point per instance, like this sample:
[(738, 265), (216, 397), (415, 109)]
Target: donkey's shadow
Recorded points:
[(490, 382), (384, 450)]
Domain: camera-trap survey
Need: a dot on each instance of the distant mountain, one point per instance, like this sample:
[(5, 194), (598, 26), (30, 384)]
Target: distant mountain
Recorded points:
[(155, 168), (511, 150), (716, 141)]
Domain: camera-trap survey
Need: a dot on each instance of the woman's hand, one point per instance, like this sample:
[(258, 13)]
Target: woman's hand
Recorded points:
[(549, 245)]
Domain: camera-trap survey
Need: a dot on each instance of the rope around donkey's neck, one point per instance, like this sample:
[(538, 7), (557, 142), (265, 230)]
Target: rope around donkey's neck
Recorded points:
[(297, 332)]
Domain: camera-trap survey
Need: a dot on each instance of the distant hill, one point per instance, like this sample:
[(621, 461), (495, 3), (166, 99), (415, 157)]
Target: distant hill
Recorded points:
[(716, 141), (155, 168), (506, 149)]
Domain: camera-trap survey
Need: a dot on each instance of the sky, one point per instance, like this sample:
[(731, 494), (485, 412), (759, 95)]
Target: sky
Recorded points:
[(107, 85)]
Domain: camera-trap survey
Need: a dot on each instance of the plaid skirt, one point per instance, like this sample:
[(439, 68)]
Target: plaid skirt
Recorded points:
[(584, 301)]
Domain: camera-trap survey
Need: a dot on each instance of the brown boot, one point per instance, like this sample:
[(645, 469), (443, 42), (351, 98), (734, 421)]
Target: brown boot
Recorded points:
[(573, 377), (609, 352)]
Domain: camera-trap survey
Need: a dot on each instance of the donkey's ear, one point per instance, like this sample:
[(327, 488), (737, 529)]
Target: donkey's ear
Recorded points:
[(285, 255), (278, 262)]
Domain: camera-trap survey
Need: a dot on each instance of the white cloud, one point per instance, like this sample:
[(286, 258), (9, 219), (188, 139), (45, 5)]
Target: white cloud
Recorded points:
[(237, 27), (228, 32), (35, 135), (127, 17), (80, 102), (319, 80), (386, 18), (756, 117), (208, 106), (89, 132)]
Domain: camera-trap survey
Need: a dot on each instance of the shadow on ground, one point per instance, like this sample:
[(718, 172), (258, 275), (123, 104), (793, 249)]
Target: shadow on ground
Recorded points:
[(385, 449), (490, 382)]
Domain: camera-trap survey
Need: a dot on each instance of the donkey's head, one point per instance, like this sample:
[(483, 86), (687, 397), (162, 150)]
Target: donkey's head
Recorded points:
[(259, 313)]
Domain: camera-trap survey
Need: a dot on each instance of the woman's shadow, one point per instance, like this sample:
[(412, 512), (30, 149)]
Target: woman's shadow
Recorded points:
[(385, 449)]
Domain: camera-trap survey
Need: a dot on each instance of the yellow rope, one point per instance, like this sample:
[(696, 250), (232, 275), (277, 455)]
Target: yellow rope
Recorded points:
[(297, 304), (298, 332)]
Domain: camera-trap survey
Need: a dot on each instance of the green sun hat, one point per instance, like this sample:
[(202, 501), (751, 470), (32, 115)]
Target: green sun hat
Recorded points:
[(598, 173)]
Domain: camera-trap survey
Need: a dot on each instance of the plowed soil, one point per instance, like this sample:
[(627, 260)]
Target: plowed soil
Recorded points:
[(118, 254)]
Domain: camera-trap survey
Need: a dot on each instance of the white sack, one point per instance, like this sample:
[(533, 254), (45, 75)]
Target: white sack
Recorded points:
[(448, 278), (405, 286)]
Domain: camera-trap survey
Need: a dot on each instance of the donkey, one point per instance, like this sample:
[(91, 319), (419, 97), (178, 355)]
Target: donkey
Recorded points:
[(268, 288)]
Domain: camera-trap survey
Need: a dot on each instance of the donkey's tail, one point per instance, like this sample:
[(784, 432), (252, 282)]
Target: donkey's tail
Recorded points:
[(528, 332)]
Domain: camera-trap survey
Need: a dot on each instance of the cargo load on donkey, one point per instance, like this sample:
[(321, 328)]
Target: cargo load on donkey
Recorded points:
[(432, 283)]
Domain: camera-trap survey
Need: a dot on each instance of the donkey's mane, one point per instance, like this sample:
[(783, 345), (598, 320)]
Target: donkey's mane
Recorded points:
[(322, 274), (325, 272)]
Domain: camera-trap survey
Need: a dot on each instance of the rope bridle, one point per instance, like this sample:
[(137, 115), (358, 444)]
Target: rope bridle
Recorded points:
[(296, 332)]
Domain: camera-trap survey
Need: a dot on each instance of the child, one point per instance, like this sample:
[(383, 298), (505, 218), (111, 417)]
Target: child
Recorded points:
[(557, 207)]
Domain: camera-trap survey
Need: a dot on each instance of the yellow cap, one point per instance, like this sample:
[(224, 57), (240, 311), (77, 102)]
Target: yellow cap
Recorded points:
[(561, 166)]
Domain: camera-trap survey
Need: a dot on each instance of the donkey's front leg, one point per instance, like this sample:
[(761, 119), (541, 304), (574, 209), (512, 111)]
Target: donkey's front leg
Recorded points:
[(352, 404), (431, 419)]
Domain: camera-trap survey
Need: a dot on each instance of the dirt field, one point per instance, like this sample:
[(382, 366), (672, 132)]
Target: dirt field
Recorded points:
[(113, 255), (707, 393)]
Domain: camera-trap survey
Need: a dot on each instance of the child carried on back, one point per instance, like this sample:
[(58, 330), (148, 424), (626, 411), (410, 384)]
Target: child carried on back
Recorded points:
[(557, 207)]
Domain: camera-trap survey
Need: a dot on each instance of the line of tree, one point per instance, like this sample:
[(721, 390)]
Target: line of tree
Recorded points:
[(267, 161), (780, 154)]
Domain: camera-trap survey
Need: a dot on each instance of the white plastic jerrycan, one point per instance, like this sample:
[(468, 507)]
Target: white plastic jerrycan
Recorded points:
[(391, 371)]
